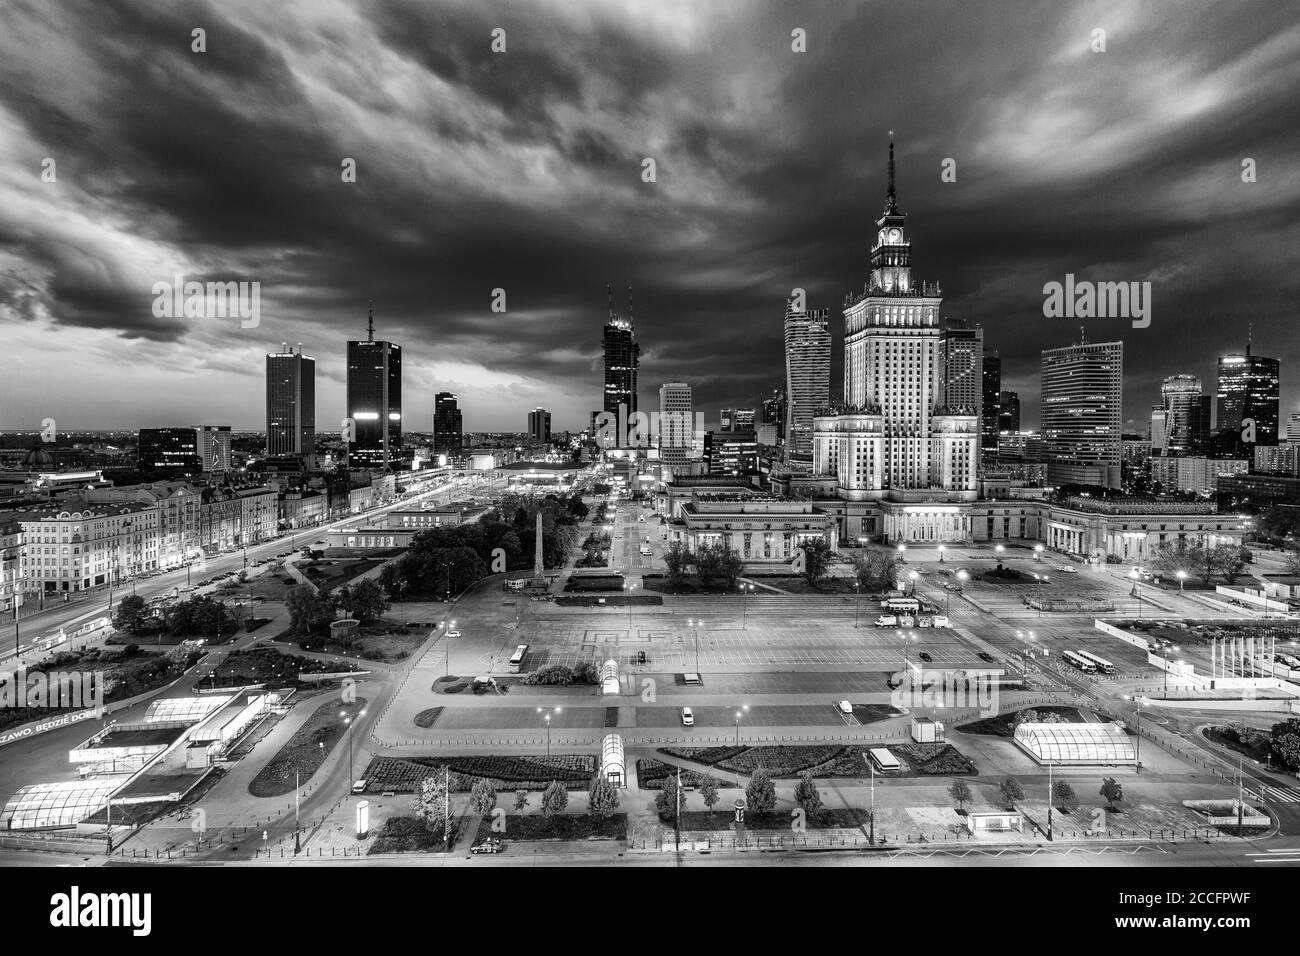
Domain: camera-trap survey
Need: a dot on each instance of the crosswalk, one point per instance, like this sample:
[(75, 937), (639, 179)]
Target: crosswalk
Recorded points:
[(1282, 794)]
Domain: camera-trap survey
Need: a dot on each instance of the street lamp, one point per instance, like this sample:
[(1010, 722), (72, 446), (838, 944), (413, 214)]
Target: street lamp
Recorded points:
[(902, 550), (1165, 649), (745, 590), (857, 604), (1038, 552), (739, 711), (912, 575), (1182, 576), (695, 626), (1136, 592), (941, 554), (547, 714), (998, 548), (629, 588)]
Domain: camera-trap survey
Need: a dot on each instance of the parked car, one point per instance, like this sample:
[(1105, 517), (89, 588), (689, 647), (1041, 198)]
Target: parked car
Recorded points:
[(986, 657), (490, 845), (925, 657), (688, 717), (453, 633), (1067, 569), (359, 787), (886, 620), (845, 707), (925, 622)]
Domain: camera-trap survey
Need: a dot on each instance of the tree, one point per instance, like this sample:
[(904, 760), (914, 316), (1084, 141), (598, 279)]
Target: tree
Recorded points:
[(131, 615), (1063, 796), (310, 610), (602, 797), (961, 792), (709, 791), (1112, 792), (760, 794), (1291, 564), (1011, 792), (816, 558), (666, 800), (431, 805), (521, 800), (1232, 561), (806, 796), (875, 570), (363, 600), (1169, 559), (1286, 742), (718, 562), (554, 798), (483, 796)]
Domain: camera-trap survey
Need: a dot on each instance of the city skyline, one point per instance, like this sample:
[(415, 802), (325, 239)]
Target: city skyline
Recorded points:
[(736, 218)]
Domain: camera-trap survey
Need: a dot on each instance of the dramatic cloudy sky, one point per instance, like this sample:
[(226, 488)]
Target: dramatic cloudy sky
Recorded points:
[(521, 171)]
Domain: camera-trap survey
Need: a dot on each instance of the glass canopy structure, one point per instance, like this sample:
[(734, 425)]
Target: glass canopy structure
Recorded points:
[(1105, 744), (57, 804)]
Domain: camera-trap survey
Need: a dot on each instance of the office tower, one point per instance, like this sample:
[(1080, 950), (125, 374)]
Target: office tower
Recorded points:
[(374, 401), (731, 452), (290, 403), (622, 358), (961, 374), (214, 448), (1249, 391), (893, 433), (1293, 427), (676, 425), (447, 431), (1159, 430), (774, 413), (1198, 425), (992, 376), (173, 451), (1082, 413), (738, 419), (807, 376), (539, 424), (1008, 412), (1180, 394)]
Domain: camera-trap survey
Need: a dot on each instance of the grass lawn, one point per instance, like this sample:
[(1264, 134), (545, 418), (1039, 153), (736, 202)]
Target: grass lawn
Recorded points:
[(1227, 737), (384, 642), (562, 826), (1001, 725), (335, 574), (267, 665), (427, 718), (410, 835), (799, 585), (508, 773), (304, 753)]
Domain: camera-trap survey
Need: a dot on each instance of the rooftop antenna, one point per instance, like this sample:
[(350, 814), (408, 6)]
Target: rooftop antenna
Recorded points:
[(629, 303), (370, 323), (1250, 334), (609, 295)]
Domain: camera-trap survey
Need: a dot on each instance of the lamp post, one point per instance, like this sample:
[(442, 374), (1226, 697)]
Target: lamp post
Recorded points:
[(912, 576), (1136, 592), (902, 550), (1038, 552), (941, 554), (739, 711), (1049, 801), (351, 722), (746, 589), (857, 604), (1165, 649), (629, 588), (695, 627), (1182, 576), (547, 714)]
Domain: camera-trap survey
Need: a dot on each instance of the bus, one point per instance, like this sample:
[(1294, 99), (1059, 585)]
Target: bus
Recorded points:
[(517, 658), (900, 605), (1103, 665), (1074, 659)]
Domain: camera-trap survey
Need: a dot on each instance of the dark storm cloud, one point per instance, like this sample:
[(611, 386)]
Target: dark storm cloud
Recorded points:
[(521, 171)]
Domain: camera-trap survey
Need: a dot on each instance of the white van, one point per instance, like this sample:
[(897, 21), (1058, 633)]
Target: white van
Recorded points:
[(887, 620), (941, 621), (845, 707), (688, 717)]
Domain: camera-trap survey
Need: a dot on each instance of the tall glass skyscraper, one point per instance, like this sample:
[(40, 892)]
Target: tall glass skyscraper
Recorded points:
[(1181, 395), (807, 377), (290, 403), (447, 431), (622, 358), (1082, 413), (374, 402), (1249, 390)]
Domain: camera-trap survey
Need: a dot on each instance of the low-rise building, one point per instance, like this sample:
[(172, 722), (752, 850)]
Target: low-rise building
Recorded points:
[(75, 545)]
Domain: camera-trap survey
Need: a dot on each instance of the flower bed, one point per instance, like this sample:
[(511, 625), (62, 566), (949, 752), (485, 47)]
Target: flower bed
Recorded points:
[(403, 775), (651, 773), (427, 718), (947, 761), (411, 835), (561, 826), (709, 755), (823, 760)]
